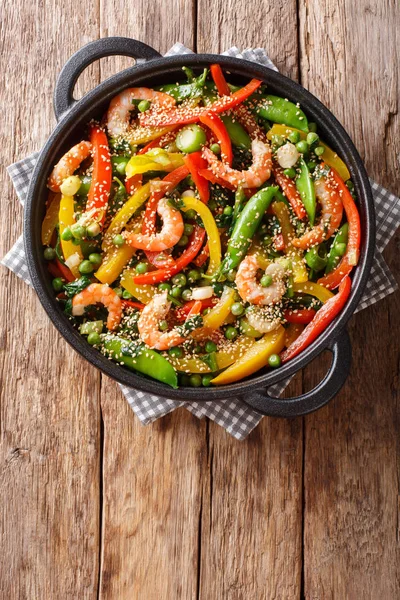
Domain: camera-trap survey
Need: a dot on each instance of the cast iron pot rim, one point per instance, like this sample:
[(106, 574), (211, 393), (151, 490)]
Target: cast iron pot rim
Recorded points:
[(310, 104)]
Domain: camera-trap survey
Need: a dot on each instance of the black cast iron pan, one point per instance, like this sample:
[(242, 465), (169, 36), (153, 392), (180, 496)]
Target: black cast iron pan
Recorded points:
[(72, 118)]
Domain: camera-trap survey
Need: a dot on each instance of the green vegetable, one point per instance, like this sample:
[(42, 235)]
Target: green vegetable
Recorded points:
[(290, 173), (191, 138), (176, 292), (91, 327), (237, 309), (210, 347), (95, 259), (179, 279), (57, 284), (278, 140), (338, 248), (193, 89), (78, 231), (67, 235), (93, 339), (303, 147), (193, 275), (119, 163), (319, 150), (279, 110), (188, 229), (206, 380), (141, 268), (266, 280), (211, 360), (245, 227), (164, 286), (92, 230), (187, 295), (183, 241), (75, 287), (86, 267), (312, 127), (236, 132), (274, 361), (231, 333), (312, 138), (216, 148), (175, 352), (143, 105), (190, 215), (163, 325), (316, 257), (294, 137), (248, 329), (49, 253), (305, 187), (195, 380), (126, 295), (145, 361), (86, 182)]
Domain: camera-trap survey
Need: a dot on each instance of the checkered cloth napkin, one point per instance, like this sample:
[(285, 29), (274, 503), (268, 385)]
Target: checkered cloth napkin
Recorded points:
[(233, 415)]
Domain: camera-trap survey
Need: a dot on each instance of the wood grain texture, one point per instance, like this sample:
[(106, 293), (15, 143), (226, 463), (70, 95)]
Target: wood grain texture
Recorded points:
[(352, 451), (49, 419)]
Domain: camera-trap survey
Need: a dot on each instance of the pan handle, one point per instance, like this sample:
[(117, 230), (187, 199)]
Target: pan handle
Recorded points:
[(316, 398), (63, 94)]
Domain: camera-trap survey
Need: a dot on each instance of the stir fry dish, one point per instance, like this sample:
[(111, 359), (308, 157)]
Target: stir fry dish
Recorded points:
[(201, 231)]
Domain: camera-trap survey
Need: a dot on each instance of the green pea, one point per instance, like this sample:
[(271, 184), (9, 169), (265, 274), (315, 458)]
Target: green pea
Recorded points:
[(195, 380), (210, 346), (190, 214), (237, 309), (191, 138), (302, 147), (312, 127), (118, 240), (312, 138), (274, 361), (290, 173), (49, 253), (95, 259), (212, 205), (179, 279), (93, 338), (93, 230), (231, 333), (126, 295), (185, 380), (278, 140), (163, 325), (228, 210), (175, 352), (176, 292), (206, 380), (57, 284), (67, 235), (319, 150), (118, 291), (183, 241), (188, 229), (231, 275), (164, 287), (294, 137), (216, 148), (187, 295), (193, 275), (311, 165), (143, 105), (76, 242), (198, 349), (141, 268), (78, 231), (266, 280), (86, 267)]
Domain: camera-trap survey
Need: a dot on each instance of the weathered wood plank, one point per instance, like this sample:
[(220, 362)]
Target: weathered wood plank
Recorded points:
[(49, 432), (351, 458), (153, 476), (251, 533)]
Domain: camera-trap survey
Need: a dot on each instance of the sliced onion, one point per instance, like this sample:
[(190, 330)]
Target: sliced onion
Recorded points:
[(202, 293), (73, 260)]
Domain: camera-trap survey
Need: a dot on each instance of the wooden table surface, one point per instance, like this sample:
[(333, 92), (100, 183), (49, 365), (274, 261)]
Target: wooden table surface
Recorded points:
[(93, 504)]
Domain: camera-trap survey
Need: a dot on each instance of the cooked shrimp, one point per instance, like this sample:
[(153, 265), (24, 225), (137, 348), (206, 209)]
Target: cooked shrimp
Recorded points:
[(167, 237), (254, 177), (121, 106), (149, 320), (68, 164), (103, 294), (251, 290), (263, 319), (331, 215)]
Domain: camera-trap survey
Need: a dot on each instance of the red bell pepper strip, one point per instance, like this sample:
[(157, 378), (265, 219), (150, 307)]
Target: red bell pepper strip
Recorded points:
[(290, 191), (133, 183), (129, 303), (202, 257), (195, 243), (322, 319), (210, 176), (219, 80), (183, 114), (195, 163), (351, 256), (65, 272), (301, 315), (100, 187), (218, 128), (183, 311)]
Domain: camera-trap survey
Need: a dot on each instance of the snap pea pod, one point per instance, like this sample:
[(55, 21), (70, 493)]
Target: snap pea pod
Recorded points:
[(193, 89), (145, 361), (338, 248), (246, 226), (316, 257), (119, 164), (305, 187), (279, 110), (236, 132), (86, 182), (240, 198)]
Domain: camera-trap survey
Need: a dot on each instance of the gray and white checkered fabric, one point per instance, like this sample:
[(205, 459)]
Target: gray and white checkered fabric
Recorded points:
[(238, 419)]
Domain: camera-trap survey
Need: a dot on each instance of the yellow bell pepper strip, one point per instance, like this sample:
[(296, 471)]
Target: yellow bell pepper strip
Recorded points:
[(258, 250), (224, 359), (254, 359), (214, 240), (142, 135), (217, 315), (125, 214), (156, 159), (66, 219), (329, 156), (143, 293), (292, 332), (281, 212), (113, 263), (313, 289), (51, 218)]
